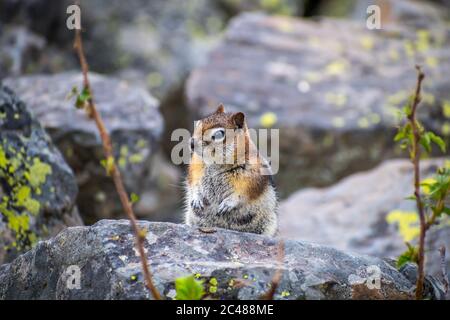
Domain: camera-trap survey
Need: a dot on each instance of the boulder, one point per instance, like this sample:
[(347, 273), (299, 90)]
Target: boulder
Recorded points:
[(241, 264), (366, 213), (332, 87), (413, 13), (37, 187), (18, 46), (34, 37), (39, 16), (155, 44), (132, 118)]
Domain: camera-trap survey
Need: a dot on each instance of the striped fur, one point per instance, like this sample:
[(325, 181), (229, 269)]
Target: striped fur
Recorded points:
[(232, 196)]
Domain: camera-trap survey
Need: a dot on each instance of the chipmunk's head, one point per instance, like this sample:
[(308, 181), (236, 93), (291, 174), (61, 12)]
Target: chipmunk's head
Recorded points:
[(222, 136)]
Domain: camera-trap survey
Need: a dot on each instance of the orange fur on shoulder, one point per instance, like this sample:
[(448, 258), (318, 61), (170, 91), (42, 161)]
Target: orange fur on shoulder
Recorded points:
[(250, 186)]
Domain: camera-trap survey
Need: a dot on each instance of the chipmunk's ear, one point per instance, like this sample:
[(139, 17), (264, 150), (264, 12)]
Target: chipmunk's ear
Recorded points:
[(238, 119), (220, 109)]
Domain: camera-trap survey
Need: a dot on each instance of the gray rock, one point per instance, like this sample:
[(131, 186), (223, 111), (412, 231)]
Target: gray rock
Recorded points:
[(131, 116), (34, 37), (353, 214), (418, 14), (334, 88), (18, 46), (154, 43), (37, 187), (38, 16), (110, 269), (151, 42), (412, 13), (285, 7)]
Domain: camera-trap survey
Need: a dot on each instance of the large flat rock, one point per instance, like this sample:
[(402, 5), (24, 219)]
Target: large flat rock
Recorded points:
[(332, 87), (110, 269), (367, 213)]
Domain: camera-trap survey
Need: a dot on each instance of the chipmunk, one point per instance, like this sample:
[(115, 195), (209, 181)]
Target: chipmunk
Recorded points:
[(232, 194)]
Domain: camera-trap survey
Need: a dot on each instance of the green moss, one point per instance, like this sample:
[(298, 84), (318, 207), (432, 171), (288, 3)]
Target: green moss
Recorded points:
[(19, 222), (123, 156), (3, 160), (423, 40), (155, 79), (38, 172), (363, 123), (136, 158), (285, 294), (141, 143), (122, 162), (25, 177), (446, 129), (124, 150), (24, 199)]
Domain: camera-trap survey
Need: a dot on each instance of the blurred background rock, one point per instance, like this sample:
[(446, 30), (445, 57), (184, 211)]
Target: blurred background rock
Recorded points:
[(310, 68)]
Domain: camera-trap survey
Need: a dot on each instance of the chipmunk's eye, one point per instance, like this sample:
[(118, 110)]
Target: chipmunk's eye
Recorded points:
[(218, 135)]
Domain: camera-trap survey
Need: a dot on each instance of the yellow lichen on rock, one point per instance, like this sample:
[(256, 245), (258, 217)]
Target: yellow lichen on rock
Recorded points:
[(407, 221)]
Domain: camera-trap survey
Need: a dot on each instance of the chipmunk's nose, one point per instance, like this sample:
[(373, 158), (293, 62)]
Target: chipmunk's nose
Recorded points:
[(192, 144)]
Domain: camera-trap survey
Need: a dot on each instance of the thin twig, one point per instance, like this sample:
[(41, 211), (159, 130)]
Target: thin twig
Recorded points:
[(444, 269), (416, 163), (277, 275), (112, 168)]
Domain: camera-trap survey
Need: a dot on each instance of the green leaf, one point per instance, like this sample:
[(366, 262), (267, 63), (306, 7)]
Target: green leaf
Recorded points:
[(82, 98), (407, 107), (425, 141), (410, 255), (188, 288), (437, 187), (399, 136), (438, 141), (108, 164), (403, 132), (446, 210), (212, 289), (72, 93), (134, 197)]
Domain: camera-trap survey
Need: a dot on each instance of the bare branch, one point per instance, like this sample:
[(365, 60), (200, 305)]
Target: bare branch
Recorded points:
[(444, 269), (416, 163), (112, 168)]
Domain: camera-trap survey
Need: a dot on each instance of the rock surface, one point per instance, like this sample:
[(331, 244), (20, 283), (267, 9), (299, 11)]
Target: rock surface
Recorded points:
[(37, 187), (332, 87), (110, 269), (131, 116), (365, 213), (416, 14), (155, 42)]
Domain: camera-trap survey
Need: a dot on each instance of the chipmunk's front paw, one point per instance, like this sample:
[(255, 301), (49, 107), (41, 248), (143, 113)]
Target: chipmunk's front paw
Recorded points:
[(226, 206), (198, 204)]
